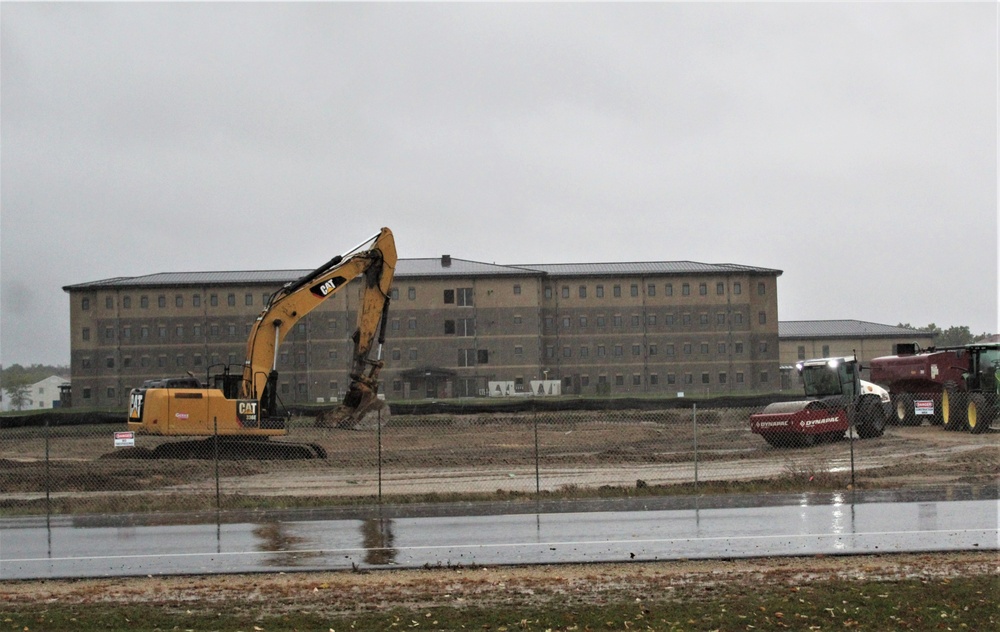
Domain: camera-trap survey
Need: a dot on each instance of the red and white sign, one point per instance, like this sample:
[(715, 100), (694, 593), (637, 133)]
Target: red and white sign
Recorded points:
[(124, 439), (923, 407)]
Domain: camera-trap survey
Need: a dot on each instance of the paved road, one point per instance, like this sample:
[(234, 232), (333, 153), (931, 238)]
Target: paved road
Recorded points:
[(595, 531)]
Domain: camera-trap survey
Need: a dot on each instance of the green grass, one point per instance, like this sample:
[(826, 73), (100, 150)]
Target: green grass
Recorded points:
[(967, 603)]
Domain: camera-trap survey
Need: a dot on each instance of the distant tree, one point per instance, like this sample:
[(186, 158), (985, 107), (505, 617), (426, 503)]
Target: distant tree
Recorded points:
[(17, 390), (952, 337)]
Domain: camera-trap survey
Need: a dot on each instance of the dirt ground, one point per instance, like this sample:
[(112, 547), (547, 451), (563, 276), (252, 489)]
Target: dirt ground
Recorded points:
[(496, 453), (349, 593)]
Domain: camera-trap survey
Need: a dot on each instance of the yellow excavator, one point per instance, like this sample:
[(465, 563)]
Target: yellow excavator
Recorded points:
[(239, 409)]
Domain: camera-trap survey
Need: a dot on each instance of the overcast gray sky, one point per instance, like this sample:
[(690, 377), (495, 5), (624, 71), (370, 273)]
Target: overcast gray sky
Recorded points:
[(851, 145)]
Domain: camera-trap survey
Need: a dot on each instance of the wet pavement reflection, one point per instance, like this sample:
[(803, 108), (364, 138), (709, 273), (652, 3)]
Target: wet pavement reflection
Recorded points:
[(465, 534)]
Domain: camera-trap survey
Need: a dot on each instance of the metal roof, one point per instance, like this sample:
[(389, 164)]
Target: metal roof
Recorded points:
[(431, 267), (647, 267), (842, 329)]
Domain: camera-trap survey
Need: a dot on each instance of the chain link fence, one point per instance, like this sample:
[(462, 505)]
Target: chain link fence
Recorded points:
[(60, 468)]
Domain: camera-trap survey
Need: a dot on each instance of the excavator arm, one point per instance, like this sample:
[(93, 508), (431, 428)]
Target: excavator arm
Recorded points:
[(376, 264)]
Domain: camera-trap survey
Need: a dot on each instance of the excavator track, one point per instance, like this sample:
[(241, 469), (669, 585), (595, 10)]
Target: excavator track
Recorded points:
[(230, 449)]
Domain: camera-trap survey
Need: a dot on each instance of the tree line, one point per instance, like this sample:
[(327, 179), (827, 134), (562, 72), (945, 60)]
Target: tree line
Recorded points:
[(951, 337)]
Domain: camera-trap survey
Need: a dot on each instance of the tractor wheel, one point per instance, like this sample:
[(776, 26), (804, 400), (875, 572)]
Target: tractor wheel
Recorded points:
[(871, 419), (903, 406), (954, 410), (978, 414)]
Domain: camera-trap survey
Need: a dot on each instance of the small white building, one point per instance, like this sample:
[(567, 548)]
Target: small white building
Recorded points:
[(43, 394)]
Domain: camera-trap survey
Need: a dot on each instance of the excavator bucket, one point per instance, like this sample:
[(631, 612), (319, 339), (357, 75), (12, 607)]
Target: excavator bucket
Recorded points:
[(360, 410)]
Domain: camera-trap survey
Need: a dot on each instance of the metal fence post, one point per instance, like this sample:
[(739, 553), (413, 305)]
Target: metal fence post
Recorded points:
[(538, 478), (694, 416), (215, 455), (48, 479)]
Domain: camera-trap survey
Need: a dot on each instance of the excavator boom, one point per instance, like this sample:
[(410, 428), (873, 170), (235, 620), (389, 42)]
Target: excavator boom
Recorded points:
[(246, 405)]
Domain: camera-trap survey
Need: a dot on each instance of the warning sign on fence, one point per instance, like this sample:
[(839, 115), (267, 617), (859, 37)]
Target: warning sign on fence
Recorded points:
[(124, 439)]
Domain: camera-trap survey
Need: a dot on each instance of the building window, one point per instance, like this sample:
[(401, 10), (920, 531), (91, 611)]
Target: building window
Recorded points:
[(687, 348), (686, 319), (720, 318), (518, 320), (411, 293), (763, 346), (518, 350), (517, 289), (109, 303), (705, 379), (601, 351), (703, 289), (738, 347), (565, 291), (550, 351), (635, 320), (762, 318), (636, 350), (464, 297), (618, 351), (179, 331), (651, 289), (248, 299), (600, 321), (126, 331), (466, 357), (566, 321), (739, 377), (763, 377), (669, 289), (109, 333), (179, 360), (411, 324), (826, 351), (619, 380), (617, 291), (144, 302), (671, 378), (85, 303), (652, 349), (721, 348), (703, 319), (583, 291), (583, 322), (668, 320), (394, 325), (704, 348), (636, 379), (616, 320), (737, 288), (686, 289), (394, 294), (633, 290), (584, 352), (231, 300), (802, 352), (548, 292), (722, 378), (109, 362), (688, 378), (567, 352), (213, 300), (196, 300), (670, 349), (599, 291), (127, 302), (161, 301), (761, 288), (650, 319), (720, 288), (654, 379), (738, 318)]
